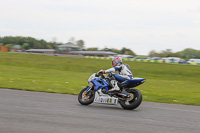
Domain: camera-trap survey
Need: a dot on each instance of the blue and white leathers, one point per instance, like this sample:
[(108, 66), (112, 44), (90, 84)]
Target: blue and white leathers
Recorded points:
[(123, 72)]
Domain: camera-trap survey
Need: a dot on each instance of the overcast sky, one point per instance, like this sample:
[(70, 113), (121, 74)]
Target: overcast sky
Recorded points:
[(141, 25)]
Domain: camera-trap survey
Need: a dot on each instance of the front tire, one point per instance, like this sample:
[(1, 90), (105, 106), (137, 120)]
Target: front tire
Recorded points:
[(134, 101), (86, 99)]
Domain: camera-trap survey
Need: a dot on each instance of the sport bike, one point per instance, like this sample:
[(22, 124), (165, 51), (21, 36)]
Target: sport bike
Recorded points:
[(98, 91)]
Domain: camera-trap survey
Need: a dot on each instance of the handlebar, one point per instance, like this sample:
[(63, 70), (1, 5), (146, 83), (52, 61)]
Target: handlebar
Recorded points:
[(110, 75), (100, 74)]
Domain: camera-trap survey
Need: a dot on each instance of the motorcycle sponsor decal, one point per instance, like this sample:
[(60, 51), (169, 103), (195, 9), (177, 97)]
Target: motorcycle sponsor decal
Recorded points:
[(105, 99), (115, 101), (98, 100), (128, 71), (110, 100)]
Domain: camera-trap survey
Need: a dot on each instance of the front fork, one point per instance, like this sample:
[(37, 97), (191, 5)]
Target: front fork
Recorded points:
[(88, 90)]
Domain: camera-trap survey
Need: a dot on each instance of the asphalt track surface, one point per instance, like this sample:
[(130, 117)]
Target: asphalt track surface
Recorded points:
[(39, 112)]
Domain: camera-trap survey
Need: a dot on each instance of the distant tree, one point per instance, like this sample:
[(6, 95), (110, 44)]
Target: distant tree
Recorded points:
[(166, 53), (32, 42), (127, 51), (92, 49), (106, 49), (25, 46), (116, 51), (177, 54), (72, 40), (186, 53), (54, 45), (190, 53), (80, 43), (153, 53), (163, 53)]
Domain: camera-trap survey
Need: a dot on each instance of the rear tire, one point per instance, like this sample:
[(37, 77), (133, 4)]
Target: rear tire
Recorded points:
[(86, 99), (134, 101)]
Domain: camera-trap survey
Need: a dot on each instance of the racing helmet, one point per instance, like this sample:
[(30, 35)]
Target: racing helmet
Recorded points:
[(116, 61)]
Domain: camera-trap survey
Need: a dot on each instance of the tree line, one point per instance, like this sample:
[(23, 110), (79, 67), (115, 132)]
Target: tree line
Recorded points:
[(27, 42), (32, 43), (187, 53)]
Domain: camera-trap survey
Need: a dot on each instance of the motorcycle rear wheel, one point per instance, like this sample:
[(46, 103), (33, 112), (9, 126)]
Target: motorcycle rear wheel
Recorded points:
[(86, 99), (134, 101)]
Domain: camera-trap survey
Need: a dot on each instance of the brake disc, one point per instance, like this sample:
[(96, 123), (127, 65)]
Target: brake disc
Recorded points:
[(130, 98), (85, 96)]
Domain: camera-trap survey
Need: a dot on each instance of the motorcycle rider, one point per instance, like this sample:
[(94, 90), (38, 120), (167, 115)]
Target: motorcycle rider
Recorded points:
[(124, 72)]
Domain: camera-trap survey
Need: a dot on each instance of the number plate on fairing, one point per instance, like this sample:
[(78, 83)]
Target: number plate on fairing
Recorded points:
[(105, 99)]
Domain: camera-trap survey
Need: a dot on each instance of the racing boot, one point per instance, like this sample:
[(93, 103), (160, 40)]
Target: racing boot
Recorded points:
[(115, 87)]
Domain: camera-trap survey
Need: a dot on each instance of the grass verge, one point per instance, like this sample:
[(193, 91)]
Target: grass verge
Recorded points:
[(169, 83)]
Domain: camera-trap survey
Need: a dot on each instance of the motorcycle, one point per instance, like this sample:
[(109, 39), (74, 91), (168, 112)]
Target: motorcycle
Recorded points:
[(98, 91)]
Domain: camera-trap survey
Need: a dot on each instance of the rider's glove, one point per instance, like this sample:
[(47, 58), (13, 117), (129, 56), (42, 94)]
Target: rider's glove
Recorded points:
[(102, 71)]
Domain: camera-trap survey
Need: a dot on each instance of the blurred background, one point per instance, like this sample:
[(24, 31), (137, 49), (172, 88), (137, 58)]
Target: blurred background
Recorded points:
[(158, 39), (141, 26)]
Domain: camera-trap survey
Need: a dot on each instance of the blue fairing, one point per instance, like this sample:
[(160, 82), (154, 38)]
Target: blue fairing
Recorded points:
[(99, 83), (133, 82)]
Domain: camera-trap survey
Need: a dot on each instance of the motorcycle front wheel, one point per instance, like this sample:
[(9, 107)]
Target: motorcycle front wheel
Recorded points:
[(134, 101), (86, 98)]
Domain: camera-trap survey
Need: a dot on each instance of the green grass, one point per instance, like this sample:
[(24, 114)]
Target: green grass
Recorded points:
[(169, 83)]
